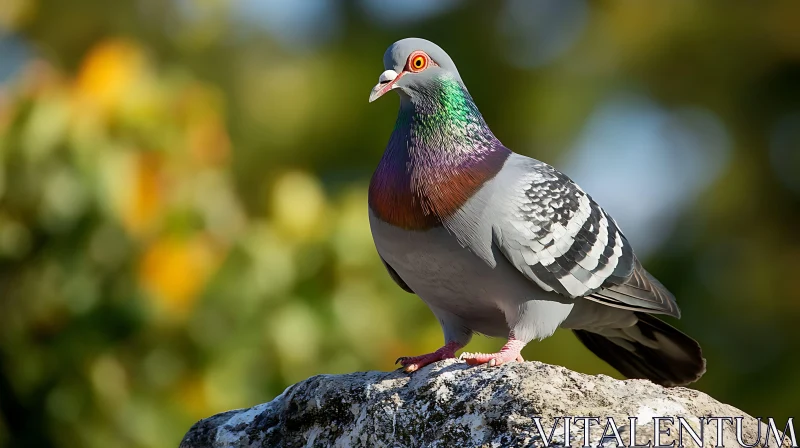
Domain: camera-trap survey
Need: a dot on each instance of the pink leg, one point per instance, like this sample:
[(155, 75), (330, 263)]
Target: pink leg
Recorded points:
[(509, 352), (411, 364)]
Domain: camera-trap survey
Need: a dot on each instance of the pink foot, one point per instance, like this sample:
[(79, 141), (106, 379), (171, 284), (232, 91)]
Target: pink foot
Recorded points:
[(509, 352), (411, 364)]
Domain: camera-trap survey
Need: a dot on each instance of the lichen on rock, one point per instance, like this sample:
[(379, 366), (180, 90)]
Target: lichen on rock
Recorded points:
[(450, 404)]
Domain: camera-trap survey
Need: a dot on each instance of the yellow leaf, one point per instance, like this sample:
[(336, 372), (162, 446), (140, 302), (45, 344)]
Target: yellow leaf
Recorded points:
[(175, 270), (144, 201), (109, 71)]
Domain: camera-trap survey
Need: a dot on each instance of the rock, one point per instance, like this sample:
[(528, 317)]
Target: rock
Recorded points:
[(450, 404)]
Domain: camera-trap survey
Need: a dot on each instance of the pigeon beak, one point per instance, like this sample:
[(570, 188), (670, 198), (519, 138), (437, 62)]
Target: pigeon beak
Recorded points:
[(386, 82)]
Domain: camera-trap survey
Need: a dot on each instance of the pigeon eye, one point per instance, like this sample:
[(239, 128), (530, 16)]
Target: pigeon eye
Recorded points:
[(418, 62)]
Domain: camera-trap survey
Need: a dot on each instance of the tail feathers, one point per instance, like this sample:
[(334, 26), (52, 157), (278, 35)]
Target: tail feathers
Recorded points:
[(651, 349)]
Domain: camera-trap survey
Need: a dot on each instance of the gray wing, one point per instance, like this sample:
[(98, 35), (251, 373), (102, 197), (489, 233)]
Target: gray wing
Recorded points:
[(396, 277), (561, 239)]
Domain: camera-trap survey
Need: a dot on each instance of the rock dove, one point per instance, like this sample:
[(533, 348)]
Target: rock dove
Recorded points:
[(505, 245)]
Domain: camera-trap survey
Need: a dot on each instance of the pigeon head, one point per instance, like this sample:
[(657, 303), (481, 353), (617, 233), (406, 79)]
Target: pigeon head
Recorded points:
[(441, 151), (416, 68)]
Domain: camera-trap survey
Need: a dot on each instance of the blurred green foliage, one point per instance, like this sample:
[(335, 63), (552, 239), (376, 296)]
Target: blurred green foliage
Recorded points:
[(183, 224)]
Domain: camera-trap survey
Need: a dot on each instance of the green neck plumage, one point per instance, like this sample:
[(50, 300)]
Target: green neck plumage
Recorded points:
[(455, 105), (445, 116)]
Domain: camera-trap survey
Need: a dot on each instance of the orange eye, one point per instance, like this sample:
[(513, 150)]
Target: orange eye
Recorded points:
[(418, 62)]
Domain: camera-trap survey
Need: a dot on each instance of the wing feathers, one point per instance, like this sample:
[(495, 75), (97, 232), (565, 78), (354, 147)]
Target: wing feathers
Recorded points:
[(396, 277), (561, 239), (640, 292), (565, 239)]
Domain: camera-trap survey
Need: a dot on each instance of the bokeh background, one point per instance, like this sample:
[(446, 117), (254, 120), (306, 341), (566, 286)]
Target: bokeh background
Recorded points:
[(183, 221)]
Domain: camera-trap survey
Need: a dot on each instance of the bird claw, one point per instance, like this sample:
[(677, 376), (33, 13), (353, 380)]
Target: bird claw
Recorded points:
[(414, 363), (492, 359), (407, 368)]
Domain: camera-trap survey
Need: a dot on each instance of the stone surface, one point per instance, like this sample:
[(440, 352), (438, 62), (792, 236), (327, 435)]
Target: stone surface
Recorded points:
[(450, 404)]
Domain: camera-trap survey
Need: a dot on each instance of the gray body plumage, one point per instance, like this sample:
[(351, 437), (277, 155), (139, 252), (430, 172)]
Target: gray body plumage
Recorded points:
[(461, 272)]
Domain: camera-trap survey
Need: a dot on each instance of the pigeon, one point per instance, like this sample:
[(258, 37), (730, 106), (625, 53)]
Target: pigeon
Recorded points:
[(504, 245)]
